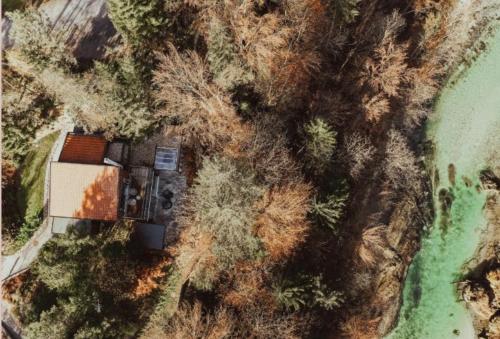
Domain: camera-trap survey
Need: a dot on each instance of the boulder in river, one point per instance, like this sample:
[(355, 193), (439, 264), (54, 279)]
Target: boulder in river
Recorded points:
[(478, 300), (489, 181)]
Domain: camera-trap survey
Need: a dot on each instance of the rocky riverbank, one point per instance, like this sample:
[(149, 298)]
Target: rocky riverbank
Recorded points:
[(481, 288)]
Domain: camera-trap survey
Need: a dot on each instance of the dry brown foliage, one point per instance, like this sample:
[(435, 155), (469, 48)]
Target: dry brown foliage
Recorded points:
[(422, 6), (8, 172), (373, 243), (206, 113), (282, 225), (375, 107), (280, 47), (357, 327), (190, 322), (264, 324), (147, 277), (249, 287), (386, 70)]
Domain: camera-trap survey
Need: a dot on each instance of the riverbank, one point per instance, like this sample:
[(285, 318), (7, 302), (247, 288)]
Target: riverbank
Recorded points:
[(464, 131), (481, 287)]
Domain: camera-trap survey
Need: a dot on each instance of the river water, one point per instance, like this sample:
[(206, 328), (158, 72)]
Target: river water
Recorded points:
[(465, 129)]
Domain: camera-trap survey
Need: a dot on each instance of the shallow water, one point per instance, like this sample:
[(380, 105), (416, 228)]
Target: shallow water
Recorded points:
[(466, 132)]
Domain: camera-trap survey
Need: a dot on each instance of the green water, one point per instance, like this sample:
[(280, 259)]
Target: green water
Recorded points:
[(466, 132)]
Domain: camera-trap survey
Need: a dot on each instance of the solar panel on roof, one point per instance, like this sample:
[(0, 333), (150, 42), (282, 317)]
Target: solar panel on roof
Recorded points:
[(166, 159)]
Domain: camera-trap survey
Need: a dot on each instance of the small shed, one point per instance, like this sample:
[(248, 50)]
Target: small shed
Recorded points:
[(150, 236)]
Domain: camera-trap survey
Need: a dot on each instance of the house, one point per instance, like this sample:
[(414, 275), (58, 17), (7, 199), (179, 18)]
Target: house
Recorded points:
[(95, 181)]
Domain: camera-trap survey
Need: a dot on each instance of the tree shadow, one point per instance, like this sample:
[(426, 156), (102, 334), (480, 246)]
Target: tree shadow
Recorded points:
[(101, 197), (84, 28)]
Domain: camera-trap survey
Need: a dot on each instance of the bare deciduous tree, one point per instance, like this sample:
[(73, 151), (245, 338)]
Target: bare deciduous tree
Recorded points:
[(400, 163), (205, 111), (358, 151), (190, 322), (268, 154)]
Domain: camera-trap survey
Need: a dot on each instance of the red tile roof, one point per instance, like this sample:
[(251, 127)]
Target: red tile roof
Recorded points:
[(83, 149)]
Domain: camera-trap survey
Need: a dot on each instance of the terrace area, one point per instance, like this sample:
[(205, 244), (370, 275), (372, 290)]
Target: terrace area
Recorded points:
[(147, 186)]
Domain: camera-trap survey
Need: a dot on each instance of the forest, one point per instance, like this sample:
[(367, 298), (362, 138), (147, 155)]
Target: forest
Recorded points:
[(310, 187)]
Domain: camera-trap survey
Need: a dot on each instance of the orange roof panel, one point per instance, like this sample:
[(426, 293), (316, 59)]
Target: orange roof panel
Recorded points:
[(83, 149), (84, 191)]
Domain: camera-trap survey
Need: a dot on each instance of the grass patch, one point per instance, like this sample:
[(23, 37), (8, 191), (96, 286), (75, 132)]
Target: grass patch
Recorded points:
[(30, 192), (32, 177)]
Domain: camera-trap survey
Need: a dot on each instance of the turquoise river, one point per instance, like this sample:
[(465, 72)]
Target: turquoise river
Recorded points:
[(465, 128)]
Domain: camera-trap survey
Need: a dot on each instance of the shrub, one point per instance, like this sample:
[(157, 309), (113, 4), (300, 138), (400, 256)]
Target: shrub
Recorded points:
[(262, 323), (320, 143), (29, 226), (360, 328)]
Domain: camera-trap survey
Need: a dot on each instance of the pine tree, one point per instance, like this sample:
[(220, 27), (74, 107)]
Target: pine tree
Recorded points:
[(222, 204), (221, 50), (330, 211), (139, 21), (320, 144), (306, 291), (222, 57)]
